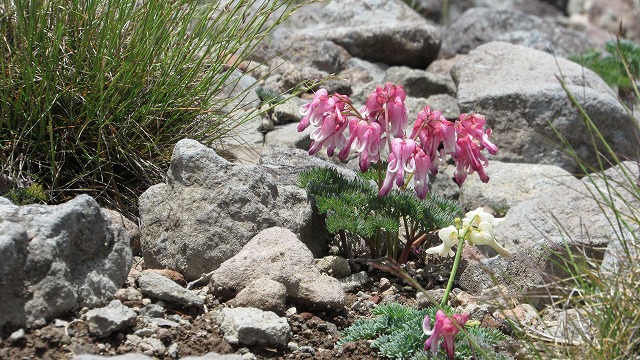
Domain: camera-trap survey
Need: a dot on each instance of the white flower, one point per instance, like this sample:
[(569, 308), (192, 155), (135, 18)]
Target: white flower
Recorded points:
[(449, 237), (478, 215), (483, 235)]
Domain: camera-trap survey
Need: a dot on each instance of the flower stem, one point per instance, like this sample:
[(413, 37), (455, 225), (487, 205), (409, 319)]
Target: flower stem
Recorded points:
[(454, 269)]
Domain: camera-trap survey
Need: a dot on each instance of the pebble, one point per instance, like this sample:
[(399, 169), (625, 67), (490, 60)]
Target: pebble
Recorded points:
[(16, 335)]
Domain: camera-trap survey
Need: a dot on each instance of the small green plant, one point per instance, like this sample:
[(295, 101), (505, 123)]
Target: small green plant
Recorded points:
[(354, 206), (397, 332), (618, 65), (32, 194)]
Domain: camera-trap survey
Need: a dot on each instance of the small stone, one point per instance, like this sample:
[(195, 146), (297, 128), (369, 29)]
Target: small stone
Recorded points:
[(152, 310), (172, 351), (307, 349), (291, 311), (115, 316), (353, 281), (159, 287), (16, 335), (127, 294), (384, 284), (250, 326), (335, 266)]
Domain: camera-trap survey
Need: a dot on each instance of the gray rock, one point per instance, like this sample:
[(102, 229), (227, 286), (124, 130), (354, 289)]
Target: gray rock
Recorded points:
[(264, 294), (403, 38), (510, 184), (444, 103), (539, 231), (5, 201), (420, 83), (158, 287), (214, 356), (353, 281), (278, 254), (131, 356), (152, 310), (319, 54), (248, 326), (288, 136), (56, 259), (147, 345), (523, 107), (335, 266), (479, 26), (289, 111), (105, 320), (130, 226), (210, 208), (239, 92)]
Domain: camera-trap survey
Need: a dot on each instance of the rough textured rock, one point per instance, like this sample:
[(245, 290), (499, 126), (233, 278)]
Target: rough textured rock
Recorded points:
[(56, 259), (248, 326), (264, 294), (420, 83), (613, 14), (276, 253), (522, 107), (158, 287), (510, 184), (538, 231), (209, 208), (335, 266), (479, 26), (403, 38), (105, 320), (130, 226)]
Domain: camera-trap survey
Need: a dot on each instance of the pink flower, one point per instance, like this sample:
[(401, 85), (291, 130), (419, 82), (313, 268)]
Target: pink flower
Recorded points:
[(330, 132), (364, 137), (446, 327), (389, 98), (437, 136), (400, 161), (314, 111), (421, 174), (473, 125), (472, 139)]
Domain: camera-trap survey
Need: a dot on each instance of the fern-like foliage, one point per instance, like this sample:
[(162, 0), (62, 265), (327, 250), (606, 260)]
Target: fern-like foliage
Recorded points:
[(396, 332), (353, 205)]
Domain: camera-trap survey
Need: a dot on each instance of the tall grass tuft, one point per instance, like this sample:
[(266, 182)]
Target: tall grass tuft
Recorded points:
[(602, 293), (95, 93)]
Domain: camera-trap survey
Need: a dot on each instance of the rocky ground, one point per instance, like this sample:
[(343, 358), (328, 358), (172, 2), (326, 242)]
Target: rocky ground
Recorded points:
[(195, 333)]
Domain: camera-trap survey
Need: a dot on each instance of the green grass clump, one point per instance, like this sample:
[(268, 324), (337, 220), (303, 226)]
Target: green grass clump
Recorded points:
[(396, 332), (94, 94)]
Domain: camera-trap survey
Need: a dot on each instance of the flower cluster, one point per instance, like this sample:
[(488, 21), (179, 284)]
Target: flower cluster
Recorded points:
[(382, 121), (446, 327), (476, 227)]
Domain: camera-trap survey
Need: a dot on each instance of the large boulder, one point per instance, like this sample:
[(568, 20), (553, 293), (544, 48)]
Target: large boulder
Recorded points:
[(480, 25), (386, 31), (210, 208), (510, 184), (56, 259), (518, 91), (278, 254)]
